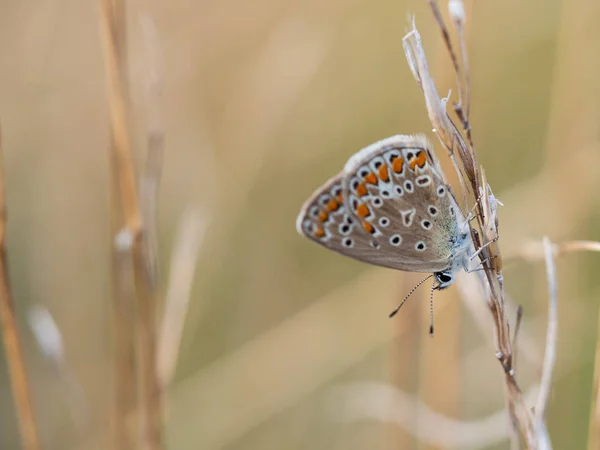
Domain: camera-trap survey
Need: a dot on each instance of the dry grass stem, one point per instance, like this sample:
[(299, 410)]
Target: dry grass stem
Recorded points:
[(113, 20), (124, 297), (485, 230), (473, 297), (151, 175), (183, 263), (594, 426), (385, 403), (125, 395), (551, 337), (113, 26), (518, 322), (533, 251), (456, 8), (10, 336)]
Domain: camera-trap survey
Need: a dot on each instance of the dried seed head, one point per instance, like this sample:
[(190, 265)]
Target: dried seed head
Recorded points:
[(456, 8)]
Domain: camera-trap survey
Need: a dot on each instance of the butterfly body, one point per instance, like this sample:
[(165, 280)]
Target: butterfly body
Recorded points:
[(391, 206)]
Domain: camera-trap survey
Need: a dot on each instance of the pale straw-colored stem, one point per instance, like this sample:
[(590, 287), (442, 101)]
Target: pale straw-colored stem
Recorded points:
[(181, 276), (385, 403), (12, 343), (551, 340), (130, 240)]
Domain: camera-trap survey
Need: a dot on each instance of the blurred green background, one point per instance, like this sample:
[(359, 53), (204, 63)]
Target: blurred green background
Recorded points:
[(262, 102)]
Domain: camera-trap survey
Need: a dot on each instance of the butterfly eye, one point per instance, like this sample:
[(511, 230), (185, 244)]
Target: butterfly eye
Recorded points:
[(444, 278)]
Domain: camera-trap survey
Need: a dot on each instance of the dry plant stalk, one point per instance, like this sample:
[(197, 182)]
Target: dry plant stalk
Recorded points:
[(131, 241), (187, 244), (484, 232), (386, 403), (594, 426), (152, 171), (10, 336), (532, 251), (550, 352)]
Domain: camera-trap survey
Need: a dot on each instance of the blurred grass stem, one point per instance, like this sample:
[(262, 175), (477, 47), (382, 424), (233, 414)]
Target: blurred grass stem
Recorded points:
[(113, 20), (188, 240), (551, 339), (10, 336)]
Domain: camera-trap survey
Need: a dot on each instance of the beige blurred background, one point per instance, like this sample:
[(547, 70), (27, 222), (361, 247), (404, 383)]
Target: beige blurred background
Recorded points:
[(286, 345)]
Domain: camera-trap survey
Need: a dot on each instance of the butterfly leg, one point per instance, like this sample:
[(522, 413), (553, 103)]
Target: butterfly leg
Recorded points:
[(471, 214), (481, 264), (474, 255)]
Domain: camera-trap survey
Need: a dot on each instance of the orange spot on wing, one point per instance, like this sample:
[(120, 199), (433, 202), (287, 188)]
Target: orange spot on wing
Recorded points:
[(319, 232), (383, 173), (419, 160), (398, 165), (323, 216), (361, 190), (371, 178), (340, 199), (362, 211), (368, 227), (333, 205)]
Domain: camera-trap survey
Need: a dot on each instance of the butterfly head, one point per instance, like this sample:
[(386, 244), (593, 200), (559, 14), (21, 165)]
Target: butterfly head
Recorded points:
[(444, 280)]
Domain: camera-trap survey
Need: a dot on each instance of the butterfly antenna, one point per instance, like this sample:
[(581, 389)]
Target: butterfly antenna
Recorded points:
[(431, 310), (393, 313)]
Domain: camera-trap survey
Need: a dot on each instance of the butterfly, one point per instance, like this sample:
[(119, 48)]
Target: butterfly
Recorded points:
[(391, 206)]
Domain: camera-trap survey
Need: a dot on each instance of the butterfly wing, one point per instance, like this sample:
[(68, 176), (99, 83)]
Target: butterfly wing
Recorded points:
[(325, 220), (397, 192), (390, 207)]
